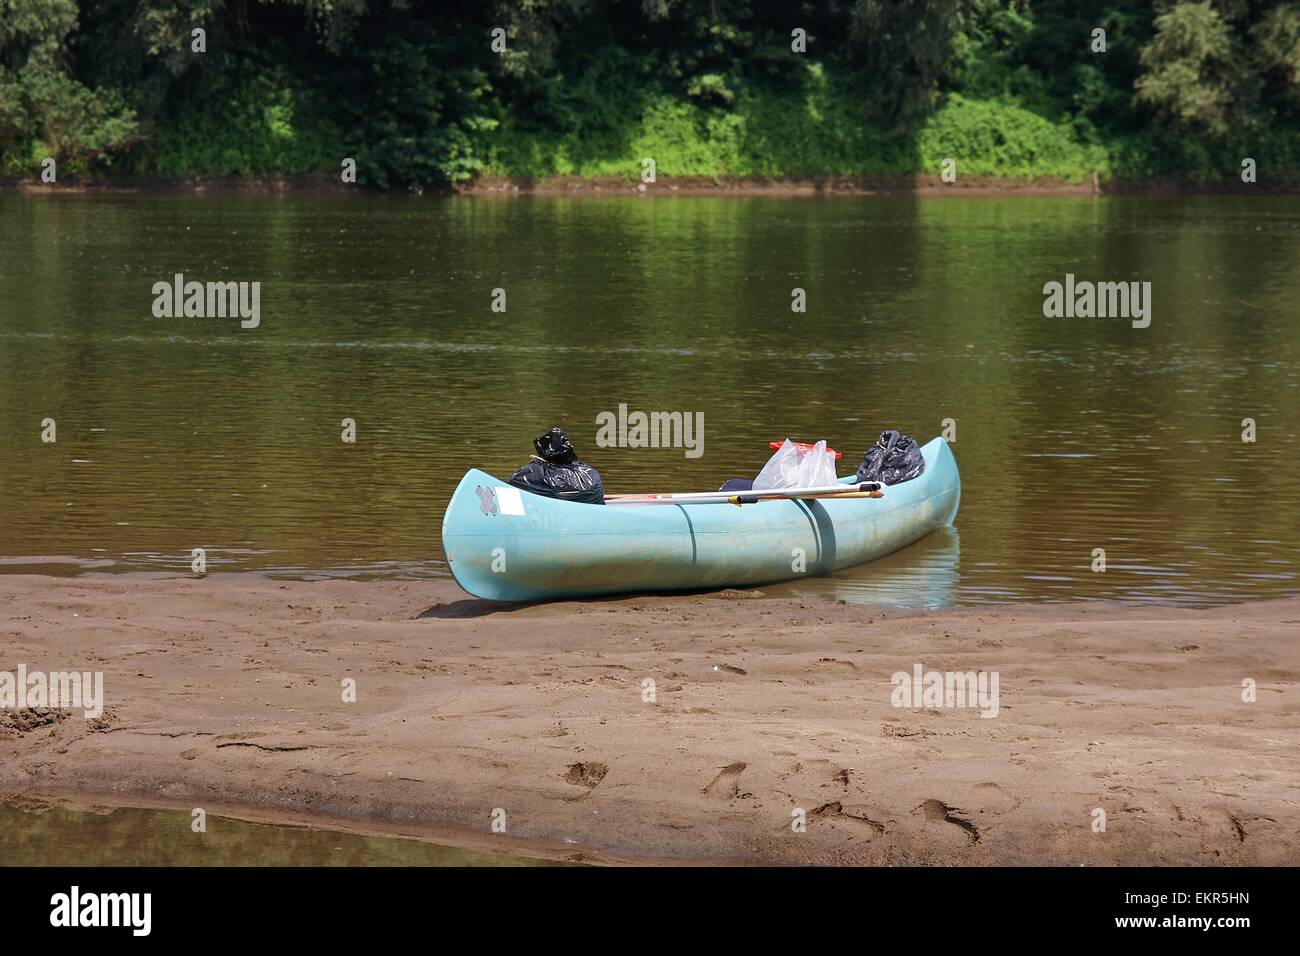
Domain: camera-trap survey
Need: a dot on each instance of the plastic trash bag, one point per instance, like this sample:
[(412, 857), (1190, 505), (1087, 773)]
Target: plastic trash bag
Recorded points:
[(795, 467), (556, 472), (893, 459)]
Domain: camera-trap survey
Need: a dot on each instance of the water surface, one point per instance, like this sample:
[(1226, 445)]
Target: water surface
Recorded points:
[(1072, 434), (130, 836)]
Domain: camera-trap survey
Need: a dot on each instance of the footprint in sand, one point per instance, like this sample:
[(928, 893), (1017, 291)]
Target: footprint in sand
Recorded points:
[(939, 811), (895, 729), (587, 775), (836, 810), (726, 785)]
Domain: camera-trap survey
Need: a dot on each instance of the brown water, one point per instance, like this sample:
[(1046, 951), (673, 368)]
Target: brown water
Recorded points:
[(130, 836), (1072, 434)]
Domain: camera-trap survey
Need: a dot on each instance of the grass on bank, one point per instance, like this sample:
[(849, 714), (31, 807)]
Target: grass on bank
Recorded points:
[(822, 134), (263, 124)]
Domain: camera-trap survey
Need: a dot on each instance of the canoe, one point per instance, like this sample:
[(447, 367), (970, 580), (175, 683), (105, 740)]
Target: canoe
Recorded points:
[(506, 544)]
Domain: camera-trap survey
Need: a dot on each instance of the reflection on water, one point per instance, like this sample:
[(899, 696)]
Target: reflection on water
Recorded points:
[(921, 577), (136, 837), (1072, 435)]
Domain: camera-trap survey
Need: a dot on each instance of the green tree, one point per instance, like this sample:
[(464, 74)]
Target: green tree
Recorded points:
[(1277, 49), (907, 50), (44, 109), (1195, 71)]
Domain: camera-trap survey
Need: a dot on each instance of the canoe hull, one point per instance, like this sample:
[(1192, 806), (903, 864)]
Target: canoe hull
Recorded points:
[(508, 545)]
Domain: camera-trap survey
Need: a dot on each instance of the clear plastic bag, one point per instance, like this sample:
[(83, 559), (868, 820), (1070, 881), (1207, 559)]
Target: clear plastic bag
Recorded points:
[(795, 467)]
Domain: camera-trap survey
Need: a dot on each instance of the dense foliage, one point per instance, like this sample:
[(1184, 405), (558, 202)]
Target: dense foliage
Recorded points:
[(416, 93)]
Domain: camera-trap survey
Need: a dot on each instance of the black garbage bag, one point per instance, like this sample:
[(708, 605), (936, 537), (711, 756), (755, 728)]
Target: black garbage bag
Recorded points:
[(556, 472), (893, 459)]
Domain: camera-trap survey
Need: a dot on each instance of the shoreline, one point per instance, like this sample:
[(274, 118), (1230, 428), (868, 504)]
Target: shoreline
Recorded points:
[(224, 692), (666, 186)]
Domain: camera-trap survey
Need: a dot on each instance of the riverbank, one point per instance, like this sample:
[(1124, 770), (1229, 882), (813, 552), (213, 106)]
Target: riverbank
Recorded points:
[(605, 186), (227, 693)]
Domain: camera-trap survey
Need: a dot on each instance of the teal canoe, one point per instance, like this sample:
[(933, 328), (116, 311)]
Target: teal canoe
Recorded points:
[(506, 544)]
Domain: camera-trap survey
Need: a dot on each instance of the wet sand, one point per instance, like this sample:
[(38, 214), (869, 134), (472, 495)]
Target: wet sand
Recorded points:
[(226, 693)]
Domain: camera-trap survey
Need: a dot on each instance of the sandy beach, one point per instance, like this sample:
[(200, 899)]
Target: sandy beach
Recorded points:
[(692, 728)]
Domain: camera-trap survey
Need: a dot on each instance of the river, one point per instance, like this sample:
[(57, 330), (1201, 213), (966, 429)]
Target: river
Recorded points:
[(1072, 434)]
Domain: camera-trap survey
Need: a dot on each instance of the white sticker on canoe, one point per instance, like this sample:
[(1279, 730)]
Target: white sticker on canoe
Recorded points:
[(512, 502)]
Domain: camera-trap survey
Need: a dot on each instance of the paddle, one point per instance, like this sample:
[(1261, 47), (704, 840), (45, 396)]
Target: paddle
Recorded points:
[(865, 489)]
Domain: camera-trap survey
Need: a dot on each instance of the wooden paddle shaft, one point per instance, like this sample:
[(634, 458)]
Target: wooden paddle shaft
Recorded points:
[(684, 496), (847, 494), (737, 498)]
